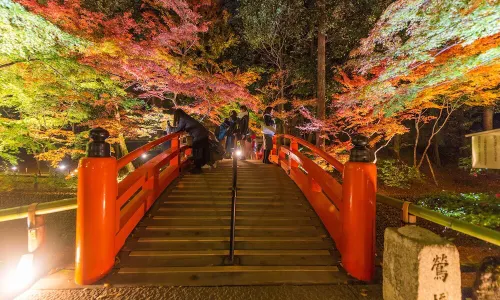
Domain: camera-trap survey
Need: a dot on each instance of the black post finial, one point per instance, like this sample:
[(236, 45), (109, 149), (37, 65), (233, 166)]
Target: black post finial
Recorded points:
[(361, 152), (98, 147)]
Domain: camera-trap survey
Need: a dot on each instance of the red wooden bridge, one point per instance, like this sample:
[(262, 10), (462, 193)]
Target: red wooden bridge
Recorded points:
[(244, 223)]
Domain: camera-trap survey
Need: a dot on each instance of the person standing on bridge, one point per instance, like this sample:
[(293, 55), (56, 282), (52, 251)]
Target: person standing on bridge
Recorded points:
[(201, 151), (243, 130), (231, 133), (268, 129)]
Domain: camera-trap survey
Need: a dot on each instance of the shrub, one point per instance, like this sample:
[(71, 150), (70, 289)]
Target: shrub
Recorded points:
[(396, 174), (476, 208)]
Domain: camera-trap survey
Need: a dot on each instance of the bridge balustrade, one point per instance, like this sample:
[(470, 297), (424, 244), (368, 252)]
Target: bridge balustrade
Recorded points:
[(347, 210), (108, 209)]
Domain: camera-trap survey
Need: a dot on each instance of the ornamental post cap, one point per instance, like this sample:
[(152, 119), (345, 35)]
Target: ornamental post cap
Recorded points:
[(98, 147), (99, 134), (360, 141), (360, 152)]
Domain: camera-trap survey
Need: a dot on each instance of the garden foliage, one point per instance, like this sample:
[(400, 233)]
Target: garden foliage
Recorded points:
[(476, 208)]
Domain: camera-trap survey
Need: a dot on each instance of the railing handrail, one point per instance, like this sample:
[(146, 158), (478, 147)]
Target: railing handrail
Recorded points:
[(479, 232), (122, 162), (327, 157), (21, 212), (232, 236)]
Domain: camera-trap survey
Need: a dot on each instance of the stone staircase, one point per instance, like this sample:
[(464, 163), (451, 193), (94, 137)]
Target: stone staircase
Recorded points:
[(185, 237)]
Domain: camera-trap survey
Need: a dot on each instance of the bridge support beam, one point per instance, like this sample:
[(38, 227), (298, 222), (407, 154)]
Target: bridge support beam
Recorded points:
[(96, 213), (359, 190)]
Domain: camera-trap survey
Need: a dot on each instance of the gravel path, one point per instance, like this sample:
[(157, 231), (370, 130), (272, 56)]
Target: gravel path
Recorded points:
[(317, 292)]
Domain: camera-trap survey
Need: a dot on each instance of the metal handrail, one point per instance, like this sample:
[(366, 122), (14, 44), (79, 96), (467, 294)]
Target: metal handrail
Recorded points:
[(482, 233), (21, 212), (233, 208)]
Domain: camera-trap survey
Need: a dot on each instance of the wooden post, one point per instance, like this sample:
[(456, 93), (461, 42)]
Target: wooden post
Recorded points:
[(359, 191), (96, 213), (294, 148)]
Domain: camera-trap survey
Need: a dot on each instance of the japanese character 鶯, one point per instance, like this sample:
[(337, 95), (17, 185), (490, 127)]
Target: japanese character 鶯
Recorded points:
[(439, 265)]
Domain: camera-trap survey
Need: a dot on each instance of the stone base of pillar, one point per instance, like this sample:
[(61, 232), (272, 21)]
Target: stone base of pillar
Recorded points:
[(418, 265)]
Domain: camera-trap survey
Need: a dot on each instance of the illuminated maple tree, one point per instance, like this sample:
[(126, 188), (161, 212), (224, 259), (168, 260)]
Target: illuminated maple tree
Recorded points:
[(419, 55)]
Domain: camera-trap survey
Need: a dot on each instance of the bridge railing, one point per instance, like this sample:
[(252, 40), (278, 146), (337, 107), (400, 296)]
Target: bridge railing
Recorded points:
[(108, 210), (410, 211), (347, 210)]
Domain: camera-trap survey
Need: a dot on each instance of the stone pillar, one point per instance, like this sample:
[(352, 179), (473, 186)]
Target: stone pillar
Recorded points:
[(418, 265)]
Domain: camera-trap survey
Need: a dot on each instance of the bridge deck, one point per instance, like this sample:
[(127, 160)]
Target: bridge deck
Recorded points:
[(185, 237)]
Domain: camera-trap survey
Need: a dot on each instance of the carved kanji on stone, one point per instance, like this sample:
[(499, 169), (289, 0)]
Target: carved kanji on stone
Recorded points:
[(441, 296), (439, 266)]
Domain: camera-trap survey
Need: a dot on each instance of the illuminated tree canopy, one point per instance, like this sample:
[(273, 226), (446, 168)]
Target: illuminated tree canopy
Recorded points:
[(419, 54), (66, 66), (421, 49)]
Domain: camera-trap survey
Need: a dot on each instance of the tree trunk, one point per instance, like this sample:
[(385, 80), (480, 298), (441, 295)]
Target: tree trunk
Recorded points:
[(321, 100), (38, 170), (417, 137), (488, 112), (437, 157), (310, 137), (432, 170), (118, 152), (396, 146), (124, 151)]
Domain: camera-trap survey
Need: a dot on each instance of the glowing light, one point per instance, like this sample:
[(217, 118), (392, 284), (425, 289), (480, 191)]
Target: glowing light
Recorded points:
[(22, 277), (14, 168), (62, 167), (238, 153), (75, 171), (144, 156)]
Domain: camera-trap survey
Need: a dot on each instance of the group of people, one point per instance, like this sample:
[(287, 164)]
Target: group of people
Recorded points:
[(234, 130)]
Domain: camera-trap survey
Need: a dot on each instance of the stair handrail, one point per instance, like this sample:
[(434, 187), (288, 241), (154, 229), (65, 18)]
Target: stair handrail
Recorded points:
[(232, 236)]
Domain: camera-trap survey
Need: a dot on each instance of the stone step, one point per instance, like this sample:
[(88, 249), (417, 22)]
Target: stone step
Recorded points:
[(229, 275), (243, 231), (226, 220), (257, 203), (240, 210), (222, 243), (202, 258), (241, 192)]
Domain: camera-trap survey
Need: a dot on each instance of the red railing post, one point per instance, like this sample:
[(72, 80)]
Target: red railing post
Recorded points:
[(294, 148), (96, 213), (359, 190), (175, 145), (275, 150)]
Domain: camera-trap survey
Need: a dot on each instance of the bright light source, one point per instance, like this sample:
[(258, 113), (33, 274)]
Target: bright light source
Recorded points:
[(76, 171), (238, 153), (62, 167), (14, 168), (144, 156), (22, 277)]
